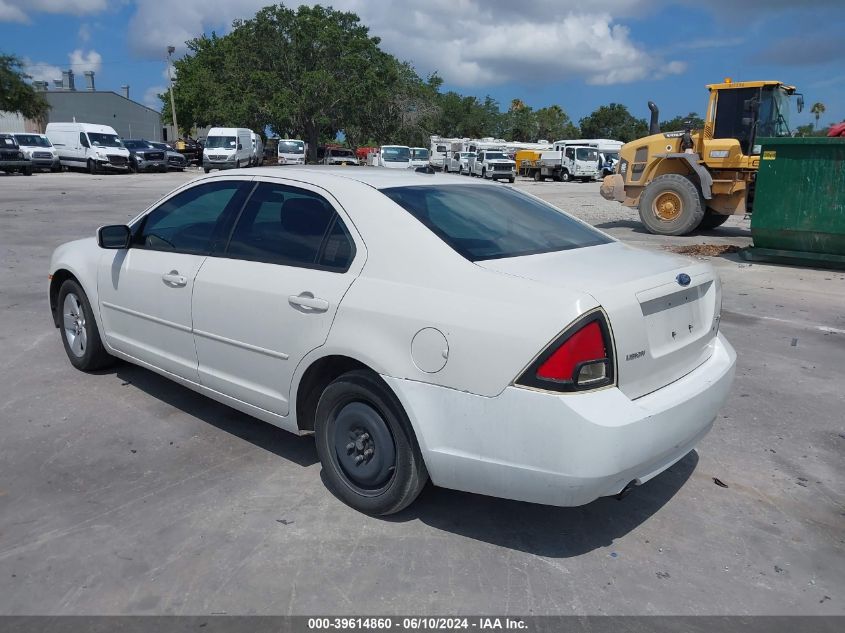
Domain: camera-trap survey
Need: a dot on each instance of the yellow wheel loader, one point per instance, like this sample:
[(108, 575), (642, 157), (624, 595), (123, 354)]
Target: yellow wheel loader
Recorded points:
[(683, 180)]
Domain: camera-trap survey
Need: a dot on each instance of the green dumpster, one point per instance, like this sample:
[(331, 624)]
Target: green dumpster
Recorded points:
[(799, 202)]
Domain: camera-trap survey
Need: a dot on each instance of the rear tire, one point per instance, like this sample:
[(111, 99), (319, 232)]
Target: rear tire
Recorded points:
[(206, 169), (365, 442), (537, 176), (671, 205), (80, 335), (27, 171), (511, 180), (712, 220)]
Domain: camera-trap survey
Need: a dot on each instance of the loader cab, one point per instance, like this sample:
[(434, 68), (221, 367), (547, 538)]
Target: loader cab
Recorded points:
[(746, 111)]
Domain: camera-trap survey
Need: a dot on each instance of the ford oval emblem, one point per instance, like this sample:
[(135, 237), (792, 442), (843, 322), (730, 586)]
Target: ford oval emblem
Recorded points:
[(683, 279)]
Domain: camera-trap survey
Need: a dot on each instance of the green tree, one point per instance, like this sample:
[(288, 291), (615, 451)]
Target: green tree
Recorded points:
[(817, 111), (613, 122), (16, 95), (309, 72), (520, 122), (553, 124), (680, 122)]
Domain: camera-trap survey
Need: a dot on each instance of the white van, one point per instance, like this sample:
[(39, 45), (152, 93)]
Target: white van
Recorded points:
[(89, 146), (257, 149), (291, 151), (394, 156), (227, 148)]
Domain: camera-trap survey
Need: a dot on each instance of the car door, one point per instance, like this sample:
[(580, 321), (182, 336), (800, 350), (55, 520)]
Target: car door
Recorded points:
[(270, 297), (145, 290)]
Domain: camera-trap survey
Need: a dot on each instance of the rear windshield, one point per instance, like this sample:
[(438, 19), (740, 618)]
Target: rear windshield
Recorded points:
[(482, 222)]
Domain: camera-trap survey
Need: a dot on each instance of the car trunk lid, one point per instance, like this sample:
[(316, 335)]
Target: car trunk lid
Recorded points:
[(662, 329)]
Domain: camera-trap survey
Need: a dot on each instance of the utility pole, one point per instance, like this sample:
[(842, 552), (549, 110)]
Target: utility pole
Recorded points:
[(170, 51)]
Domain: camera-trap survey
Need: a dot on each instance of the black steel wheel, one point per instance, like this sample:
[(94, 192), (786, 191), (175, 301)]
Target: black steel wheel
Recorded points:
[(368, 450)]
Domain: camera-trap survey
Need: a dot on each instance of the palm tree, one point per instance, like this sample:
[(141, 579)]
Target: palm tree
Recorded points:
[(817, 110), (517, 105)]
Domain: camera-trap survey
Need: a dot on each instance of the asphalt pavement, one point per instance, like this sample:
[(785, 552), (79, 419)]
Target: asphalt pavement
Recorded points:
[(124, 493)]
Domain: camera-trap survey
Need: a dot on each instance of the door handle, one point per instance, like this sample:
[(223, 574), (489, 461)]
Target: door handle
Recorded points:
[(174, 279), (307, 302)]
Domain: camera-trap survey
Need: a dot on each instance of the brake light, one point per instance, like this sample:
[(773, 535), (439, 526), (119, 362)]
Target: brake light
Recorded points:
[(580, 358), (585, 345)]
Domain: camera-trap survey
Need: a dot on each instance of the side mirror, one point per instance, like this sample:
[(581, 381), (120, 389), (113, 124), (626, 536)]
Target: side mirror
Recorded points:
[(114, 236), (240, 146), (800, 102)]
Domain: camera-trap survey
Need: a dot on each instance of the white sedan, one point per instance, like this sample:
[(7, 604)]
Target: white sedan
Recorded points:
[(419, 325)]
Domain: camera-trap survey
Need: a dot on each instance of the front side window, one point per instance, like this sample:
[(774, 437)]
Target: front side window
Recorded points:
[(83, 140), (483, 223), (293, 227), (193, 221), (570, 153)]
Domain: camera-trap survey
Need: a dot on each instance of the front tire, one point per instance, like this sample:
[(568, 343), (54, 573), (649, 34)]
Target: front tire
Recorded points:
[(565, 176), (80, 336), (671, 205), (366, 445), (92, 167)]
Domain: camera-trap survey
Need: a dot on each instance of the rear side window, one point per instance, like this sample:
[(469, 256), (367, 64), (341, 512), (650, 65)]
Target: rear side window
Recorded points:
[(293, 227), (482, 222)]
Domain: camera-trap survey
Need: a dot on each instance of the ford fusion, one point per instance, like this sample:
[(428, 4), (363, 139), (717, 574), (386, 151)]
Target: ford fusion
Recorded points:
[(419, 326)]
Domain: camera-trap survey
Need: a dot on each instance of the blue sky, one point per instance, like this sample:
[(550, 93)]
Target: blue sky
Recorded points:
[(576, 54)]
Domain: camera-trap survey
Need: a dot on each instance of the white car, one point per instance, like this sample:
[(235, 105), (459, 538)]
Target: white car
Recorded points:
[(512, 351)]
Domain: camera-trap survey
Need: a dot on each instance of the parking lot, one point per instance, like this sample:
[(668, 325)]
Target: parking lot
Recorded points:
[(124, 493)]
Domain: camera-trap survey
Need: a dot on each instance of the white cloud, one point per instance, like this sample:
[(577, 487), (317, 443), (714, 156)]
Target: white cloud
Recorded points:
[(20, 10), (81, 61), (468, 42), (151, 99), (40, 71), (10, 12)]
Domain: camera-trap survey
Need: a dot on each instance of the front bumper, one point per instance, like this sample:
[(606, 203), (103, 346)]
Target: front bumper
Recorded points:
[(563, 450), (219, 164), (151, 165), (14, 164)]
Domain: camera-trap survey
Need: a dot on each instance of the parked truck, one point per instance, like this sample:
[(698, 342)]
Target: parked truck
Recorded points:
[(572, 163)]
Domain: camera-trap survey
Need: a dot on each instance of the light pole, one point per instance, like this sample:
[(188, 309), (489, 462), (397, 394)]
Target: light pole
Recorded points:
[(170, 51)]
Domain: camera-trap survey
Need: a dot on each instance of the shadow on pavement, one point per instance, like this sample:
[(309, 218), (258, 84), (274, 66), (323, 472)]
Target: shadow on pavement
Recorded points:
[(300, 450), (541, 530), (546, 530)]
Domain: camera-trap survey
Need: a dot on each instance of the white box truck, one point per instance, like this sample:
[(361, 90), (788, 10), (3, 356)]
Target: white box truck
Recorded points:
[(291, 151), (88, 146), (227, 148)]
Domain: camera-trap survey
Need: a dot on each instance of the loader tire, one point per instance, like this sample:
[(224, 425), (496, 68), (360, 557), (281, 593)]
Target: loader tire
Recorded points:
[(712, 220), (671, 205)]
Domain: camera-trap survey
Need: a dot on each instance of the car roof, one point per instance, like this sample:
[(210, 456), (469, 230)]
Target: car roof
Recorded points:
[(376, 177)]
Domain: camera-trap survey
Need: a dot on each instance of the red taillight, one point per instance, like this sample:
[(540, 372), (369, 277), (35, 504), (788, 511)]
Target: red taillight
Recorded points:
[(587, 344), (580, 358)]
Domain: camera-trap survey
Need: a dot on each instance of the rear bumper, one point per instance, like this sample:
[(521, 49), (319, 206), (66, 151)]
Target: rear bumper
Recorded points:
[(563, 450)]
